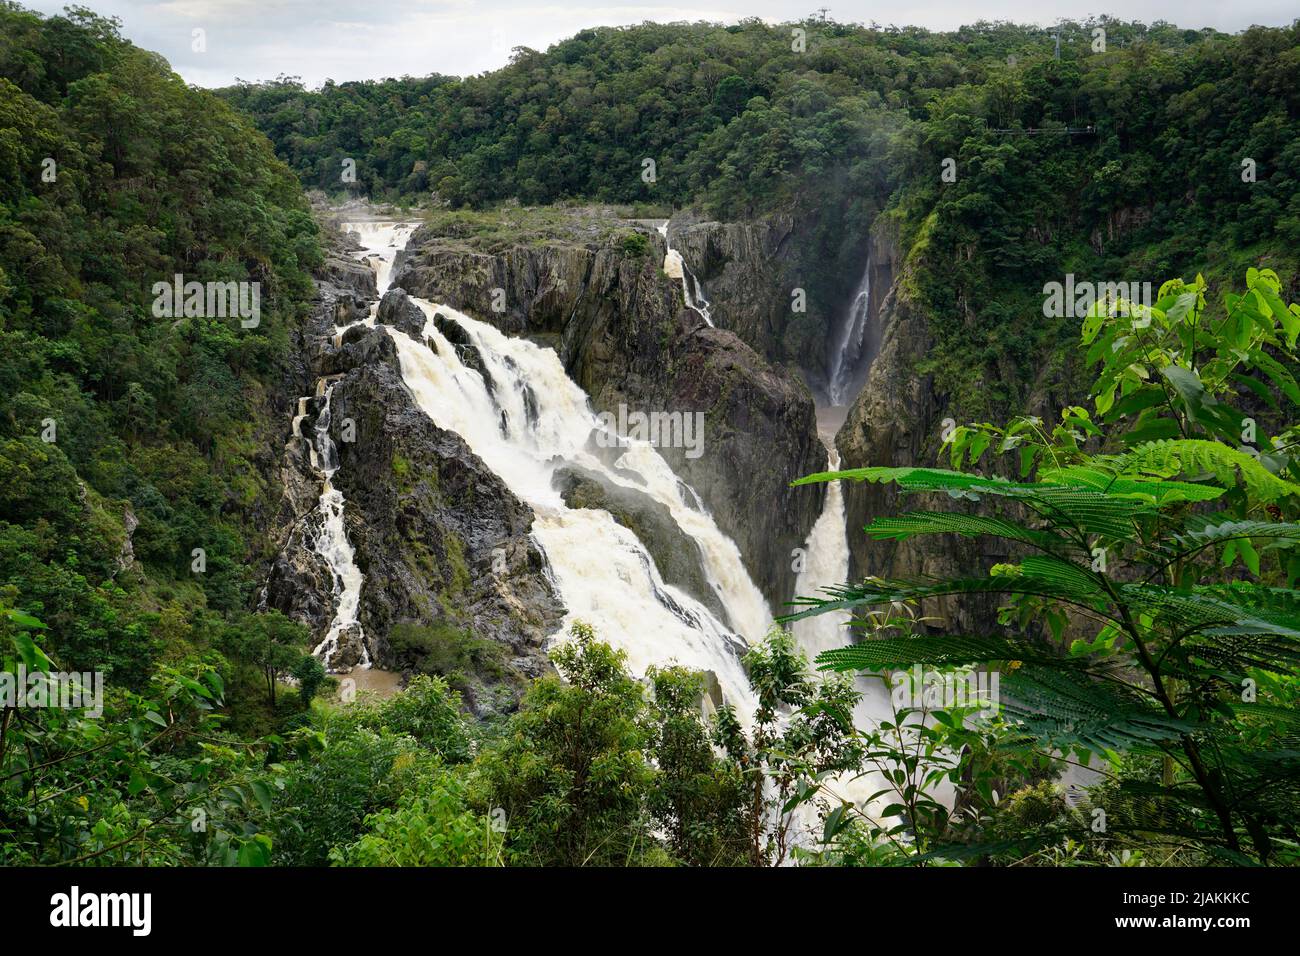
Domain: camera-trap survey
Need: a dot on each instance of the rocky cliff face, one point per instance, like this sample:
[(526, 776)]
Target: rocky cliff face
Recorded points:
[(625, 336), (299, 581), (443, 545), (750, 271), (440, 539)]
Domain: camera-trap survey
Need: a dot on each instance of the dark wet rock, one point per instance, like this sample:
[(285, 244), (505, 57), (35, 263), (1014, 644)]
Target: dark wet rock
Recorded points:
[(467, 351), (361, 345), (350, 651), (397, 309), (301, 584), (749, 271), (350, 275)]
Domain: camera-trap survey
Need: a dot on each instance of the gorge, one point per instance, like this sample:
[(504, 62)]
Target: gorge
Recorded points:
[(682, 595), (498, 504)]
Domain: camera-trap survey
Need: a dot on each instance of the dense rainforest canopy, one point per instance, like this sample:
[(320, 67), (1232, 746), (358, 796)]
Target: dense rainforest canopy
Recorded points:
[(118, 175), (129, 442), (1124, 156)]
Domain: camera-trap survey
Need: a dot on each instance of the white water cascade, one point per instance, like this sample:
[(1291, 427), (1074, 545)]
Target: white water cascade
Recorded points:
[(534, 420), (857, 338), (380, 243), (332, 542), (827, 563), (675, 268)]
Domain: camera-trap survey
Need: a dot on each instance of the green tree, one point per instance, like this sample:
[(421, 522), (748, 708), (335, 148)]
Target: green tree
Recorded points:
[(571, 771), (268, 642), (310, 675), (699, 799)]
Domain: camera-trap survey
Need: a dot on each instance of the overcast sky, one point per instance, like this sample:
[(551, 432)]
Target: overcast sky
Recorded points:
[(372, 39)]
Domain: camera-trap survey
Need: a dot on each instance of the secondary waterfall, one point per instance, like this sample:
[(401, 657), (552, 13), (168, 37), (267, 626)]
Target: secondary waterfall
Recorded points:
[(826, 562), (675, 268), (380, 242), (826, 554), (858, 339), (532, 421)]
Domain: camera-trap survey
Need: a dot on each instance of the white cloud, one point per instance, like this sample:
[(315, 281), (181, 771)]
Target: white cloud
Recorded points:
[(356, 39)]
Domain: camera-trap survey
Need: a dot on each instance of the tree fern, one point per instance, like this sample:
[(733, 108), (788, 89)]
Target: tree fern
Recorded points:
[(1192, 456), (945, 650), (941, 522)]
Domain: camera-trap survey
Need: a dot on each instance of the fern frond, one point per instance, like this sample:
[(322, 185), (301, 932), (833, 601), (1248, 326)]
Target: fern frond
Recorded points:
[(1211, 611), (873, 593), (1068, 709), (1086, 511), (1090, 501), (1063, 574), (941, 522), (1191, 456), (942, 650), (1101, 477), (1210, 529)]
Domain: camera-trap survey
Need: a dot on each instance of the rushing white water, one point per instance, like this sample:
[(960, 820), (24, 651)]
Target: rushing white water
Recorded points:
[(826, 555), (826, 562), (675, 268), (532, 421), (855, 342), (332, 542), (380, 243)]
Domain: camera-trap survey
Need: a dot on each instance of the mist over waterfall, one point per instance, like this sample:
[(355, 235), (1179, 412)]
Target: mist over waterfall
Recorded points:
[(532, 419), (856, 343)]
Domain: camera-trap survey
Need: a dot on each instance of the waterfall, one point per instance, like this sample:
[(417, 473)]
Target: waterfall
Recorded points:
[(333, 545), (380, 243), (675, 268), (826, 555), (857, 340), (826, 562), (532, 421)]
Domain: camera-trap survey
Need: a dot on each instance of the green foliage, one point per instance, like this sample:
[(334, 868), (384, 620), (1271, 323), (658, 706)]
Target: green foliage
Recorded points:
[(268, 642), (362, 761), (436, 829), (428, 712), (109, 415), (1175, 646), (635, 245), (1106, 165), (448, 651), (801, 733), (127, 441), (700, 800), (152, 780), (310, 675), (570, 771)]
